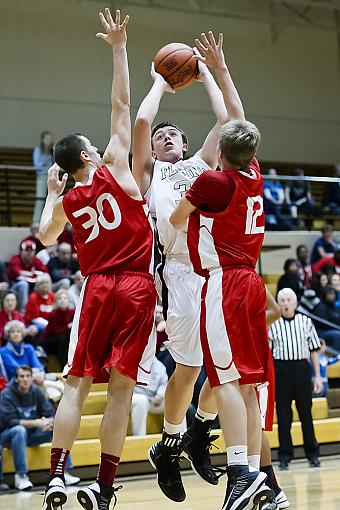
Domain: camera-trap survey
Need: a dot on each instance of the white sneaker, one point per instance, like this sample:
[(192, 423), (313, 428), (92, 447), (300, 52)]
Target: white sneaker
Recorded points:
[(55, 494), (70, 479), (282, 500), (22, 482)]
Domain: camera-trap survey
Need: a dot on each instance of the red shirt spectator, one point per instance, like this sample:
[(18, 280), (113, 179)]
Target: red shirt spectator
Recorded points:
[(335, 261), (26, 266), (59, 322), (39, 306), (8, 313)]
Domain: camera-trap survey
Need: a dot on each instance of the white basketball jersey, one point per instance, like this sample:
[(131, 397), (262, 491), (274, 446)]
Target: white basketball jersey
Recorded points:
[(169, 184)]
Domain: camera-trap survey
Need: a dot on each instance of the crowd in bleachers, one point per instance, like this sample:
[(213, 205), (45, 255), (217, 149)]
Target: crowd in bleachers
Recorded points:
[(316, 282), (286, 205)]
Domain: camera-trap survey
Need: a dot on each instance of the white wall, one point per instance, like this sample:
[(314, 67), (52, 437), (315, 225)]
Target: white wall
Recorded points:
[(56, 75)]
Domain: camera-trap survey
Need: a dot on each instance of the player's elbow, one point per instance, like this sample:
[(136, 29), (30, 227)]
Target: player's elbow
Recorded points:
[(141, 122), (46, 238)]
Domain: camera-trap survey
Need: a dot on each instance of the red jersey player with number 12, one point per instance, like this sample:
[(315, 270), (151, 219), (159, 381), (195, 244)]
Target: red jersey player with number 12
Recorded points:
[(114, 318), (225, 236)]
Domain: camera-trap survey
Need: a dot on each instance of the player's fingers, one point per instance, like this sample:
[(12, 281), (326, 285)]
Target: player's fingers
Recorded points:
[(64, 178), (212, 38), (101, 36), (109, 17), (197, 54), (200, 46), (104, 22), (118, 18), (205, 40), (220, 40), (126, 21)]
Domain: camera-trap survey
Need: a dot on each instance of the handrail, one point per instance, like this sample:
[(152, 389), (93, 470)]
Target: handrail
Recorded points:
[(16, 167)]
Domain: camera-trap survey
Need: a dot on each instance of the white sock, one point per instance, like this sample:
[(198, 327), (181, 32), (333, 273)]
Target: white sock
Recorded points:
[(254, 462), (171, 428), (204, 416), (237, 455)]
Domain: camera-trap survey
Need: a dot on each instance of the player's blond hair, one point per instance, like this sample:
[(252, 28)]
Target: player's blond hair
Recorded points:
[(238, 142)]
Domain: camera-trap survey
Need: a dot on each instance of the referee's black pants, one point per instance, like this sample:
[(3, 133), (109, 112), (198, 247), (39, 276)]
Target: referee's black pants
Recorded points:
[(293, 382)]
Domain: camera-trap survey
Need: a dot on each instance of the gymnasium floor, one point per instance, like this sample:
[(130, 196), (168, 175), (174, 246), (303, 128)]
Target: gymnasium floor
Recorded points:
[(306, 488)]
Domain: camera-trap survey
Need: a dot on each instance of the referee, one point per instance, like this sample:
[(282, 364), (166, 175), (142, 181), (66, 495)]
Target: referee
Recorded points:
[(293, 340)]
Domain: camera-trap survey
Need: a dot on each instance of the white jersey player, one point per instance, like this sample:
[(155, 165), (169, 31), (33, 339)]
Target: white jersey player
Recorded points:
[(164, 176)]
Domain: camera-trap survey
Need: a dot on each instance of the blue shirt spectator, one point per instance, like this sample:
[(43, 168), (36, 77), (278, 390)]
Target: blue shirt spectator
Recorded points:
[(324, 247)]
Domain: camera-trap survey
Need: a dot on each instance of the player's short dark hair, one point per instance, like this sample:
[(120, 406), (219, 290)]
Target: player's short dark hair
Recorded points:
[(171, 124), (238, 142), (67, 153)]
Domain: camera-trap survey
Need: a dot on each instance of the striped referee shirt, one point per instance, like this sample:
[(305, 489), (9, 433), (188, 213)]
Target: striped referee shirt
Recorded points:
[(293, 339)]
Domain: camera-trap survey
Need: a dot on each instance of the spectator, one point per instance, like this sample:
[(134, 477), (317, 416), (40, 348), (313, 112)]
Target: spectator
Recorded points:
[(291, 278), (331, 198), (63, 267), (40, 303), (26, 419), (319, 281), (23, 270), (148, 399), (298, 195), (328, 311), (324, 247), (74, 290), (305, 271), (16, 352), (274, 197), (293, 340), (3, 279), (56, 336), (334, 261), (324, 362), (8, 313), (42, 161)]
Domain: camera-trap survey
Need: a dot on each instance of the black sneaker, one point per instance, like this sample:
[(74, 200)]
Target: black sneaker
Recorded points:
[(283, 465), (314, 462), (245, 491), (270, 505), (97, 497), (55, 494), (165, 460), (196, 448)]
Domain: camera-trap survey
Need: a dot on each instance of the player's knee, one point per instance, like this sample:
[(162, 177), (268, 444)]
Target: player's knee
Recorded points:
[(184, 375)]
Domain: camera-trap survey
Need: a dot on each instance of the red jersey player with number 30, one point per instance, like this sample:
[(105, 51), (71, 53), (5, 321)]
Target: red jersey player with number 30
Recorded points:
[(225, 236), (114, 318)]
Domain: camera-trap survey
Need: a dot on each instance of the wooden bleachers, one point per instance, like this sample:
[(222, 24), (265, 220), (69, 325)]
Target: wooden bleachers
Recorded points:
[(86, 449)]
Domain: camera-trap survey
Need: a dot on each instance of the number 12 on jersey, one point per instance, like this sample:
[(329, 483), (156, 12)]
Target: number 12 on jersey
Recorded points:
[(251, 227)]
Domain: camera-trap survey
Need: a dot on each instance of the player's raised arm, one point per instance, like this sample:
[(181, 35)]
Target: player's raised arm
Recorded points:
[(53, 218), (142, 161), (117, 152), (212, 55), (208, 152)]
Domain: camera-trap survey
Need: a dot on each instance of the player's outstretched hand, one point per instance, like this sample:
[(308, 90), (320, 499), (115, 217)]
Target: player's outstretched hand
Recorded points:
[(211, 53), (115, 30), (203, 70), (156, 76), (55, 185)]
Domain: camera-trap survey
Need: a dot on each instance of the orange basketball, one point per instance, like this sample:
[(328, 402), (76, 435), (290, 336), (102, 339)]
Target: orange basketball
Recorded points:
[(176, 63)]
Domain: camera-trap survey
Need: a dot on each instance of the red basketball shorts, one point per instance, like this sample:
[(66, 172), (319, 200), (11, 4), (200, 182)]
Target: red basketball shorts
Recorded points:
[(113, 327), (233, 327)]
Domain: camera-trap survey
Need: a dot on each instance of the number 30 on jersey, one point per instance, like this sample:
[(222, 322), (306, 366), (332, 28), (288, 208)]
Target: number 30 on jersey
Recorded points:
[(96, 217), (252, 216)]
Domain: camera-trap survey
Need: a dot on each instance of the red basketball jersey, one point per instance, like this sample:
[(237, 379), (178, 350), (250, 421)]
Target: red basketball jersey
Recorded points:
[(232, 237), (112, 231)]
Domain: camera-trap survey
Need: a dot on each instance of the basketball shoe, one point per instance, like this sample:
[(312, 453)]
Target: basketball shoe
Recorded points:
[(55, 494), (164, 456), (97, 497), (196, 447), (245, 490), (282, 500)]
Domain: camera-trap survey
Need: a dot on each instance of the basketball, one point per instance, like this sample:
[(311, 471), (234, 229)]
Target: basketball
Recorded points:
[(176, 63)]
